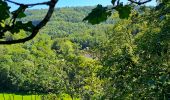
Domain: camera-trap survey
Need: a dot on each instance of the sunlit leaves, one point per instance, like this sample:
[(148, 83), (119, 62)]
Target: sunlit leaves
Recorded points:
[(142, 65), (98, 14)]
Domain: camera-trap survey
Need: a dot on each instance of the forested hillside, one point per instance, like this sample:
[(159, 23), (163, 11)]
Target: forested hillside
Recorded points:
[(119, 59)]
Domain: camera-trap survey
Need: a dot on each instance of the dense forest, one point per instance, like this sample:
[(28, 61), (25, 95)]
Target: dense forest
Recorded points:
[(119, 59)]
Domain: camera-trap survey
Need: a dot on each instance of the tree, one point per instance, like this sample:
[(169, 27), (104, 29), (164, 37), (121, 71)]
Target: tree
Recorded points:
[(14, 25), (79, 72), (124, 59), (136, 66)]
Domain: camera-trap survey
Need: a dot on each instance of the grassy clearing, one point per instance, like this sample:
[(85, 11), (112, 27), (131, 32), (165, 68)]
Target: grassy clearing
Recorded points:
[(6, 96), (19, 97)]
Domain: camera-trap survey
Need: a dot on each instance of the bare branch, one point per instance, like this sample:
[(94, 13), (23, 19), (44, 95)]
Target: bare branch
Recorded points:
[(139, 2), (29, 5)]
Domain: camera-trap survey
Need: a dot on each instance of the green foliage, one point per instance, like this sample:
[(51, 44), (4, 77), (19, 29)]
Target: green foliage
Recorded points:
[(124, 11), (11, 20), (52, 65), (98, 14), (113, 2), (122, 59), (136, 66), (22, 26), (5, 12), (19, 13)]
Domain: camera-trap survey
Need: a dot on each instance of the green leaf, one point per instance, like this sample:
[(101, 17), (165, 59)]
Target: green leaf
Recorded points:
[(98, 15), (124, 11), (19, 13), (113, 2), (4, 13), (25, 26)]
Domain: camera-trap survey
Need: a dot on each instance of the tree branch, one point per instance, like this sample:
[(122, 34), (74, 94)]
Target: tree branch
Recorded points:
[(139, 2), (52, 4), (29, 5)]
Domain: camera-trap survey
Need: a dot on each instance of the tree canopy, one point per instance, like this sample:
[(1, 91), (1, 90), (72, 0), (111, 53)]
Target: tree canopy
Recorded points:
[(117, 59)]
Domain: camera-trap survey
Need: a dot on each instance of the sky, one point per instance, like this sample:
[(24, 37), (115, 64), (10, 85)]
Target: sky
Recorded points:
[(71, 3)]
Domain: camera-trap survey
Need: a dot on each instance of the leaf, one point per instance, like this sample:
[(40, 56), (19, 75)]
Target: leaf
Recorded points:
[(19, 13), (98, 15), (25, 26), (113, 2), (124, 11), (4, 13)]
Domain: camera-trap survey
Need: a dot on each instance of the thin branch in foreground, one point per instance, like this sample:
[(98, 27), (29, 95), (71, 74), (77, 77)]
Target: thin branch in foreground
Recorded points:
[(29, 5), (37, 27), (139, 2)]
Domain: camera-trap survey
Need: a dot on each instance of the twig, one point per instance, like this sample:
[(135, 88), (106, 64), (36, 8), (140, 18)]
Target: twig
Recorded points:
[(139, 2), (29, 5)]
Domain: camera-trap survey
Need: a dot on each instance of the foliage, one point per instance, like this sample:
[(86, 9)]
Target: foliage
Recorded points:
[(98, 15), (118, 59), (11, 22), (137, 66)]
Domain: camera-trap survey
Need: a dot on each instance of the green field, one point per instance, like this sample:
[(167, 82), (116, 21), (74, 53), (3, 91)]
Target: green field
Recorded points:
[(10, 96), (19, 97)]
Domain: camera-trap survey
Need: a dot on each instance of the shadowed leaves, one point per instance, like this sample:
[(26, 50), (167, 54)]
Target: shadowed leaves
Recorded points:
[(98, 14), (20, 25), (19, 13), (124, 11), (4, 14)]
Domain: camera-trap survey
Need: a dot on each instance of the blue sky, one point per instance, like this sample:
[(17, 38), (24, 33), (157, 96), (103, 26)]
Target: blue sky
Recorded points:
[(68, 3)]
